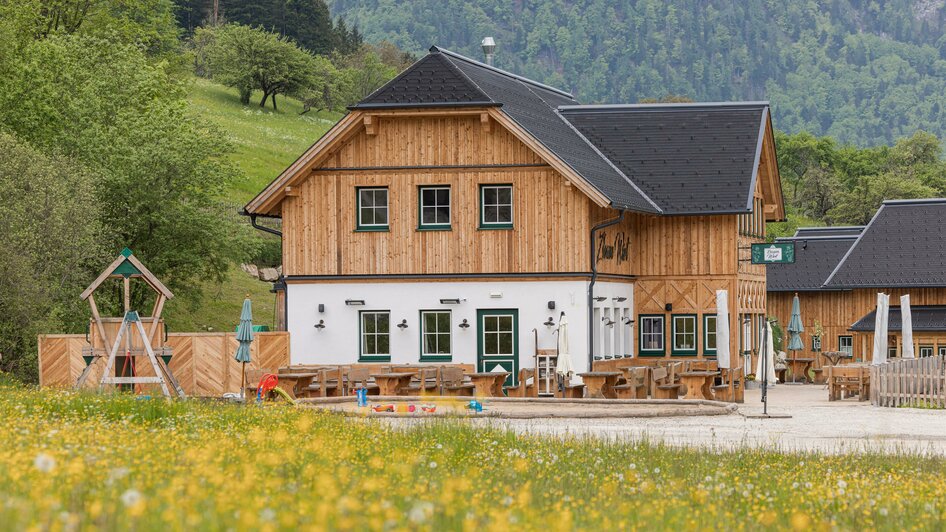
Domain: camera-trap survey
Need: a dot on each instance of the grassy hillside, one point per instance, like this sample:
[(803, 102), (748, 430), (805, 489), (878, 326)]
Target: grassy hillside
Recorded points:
[(265, 143)]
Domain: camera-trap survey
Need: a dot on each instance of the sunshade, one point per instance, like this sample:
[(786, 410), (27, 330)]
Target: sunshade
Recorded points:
[(768, 351), (244, 336), (722, 329), (795, 328), (564, 364), (906, 325), (880, 329)]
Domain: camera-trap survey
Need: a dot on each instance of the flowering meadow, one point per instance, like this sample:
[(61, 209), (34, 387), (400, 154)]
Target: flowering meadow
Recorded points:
[(71, 461)]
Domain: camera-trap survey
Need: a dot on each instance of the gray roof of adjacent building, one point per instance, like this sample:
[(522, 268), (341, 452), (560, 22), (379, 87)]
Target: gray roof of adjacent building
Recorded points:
[(815, 259), (922, 318), (903, 246), (653, 158)]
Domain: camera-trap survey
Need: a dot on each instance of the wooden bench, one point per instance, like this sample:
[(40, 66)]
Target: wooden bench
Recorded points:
[(664, 388), (524, 388), (819, 376), (329, 383), (635, 386), (453, 383), (729, 389), (573, 391), (357, 378)]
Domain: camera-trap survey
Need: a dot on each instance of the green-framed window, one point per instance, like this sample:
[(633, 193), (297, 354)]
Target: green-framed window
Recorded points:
[(372, 208), (683, 331), (709, 334), (846, 344), (433, 207), (374, 331), (435, 338), (816, 343), (496, 207), (652, 339)]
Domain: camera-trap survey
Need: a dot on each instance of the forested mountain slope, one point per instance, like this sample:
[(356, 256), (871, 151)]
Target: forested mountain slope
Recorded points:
[(863, 72)]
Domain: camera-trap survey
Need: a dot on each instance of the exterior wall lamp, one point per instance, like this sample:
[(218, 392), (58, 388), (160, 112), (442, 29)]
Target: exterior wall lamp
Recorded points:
[(450, 301), (627, 320), (464, 324), (600, 298), (619, 299), (402, 325), (355, 302), (320, 325), (608, 321), (549, 323)]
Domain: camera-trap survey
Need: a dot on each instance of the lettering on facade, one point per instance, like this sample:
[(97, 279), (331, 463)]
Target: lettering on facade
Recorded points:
[(619, 248)]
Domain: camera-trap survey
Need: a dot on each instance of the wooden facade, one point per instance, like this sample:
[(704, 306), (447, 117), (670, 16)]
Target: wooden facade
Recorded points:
[(836, 311)]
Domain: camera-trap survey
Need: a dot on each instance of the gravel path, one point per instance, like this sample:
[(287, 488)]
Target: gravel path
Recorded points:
[(815, 424)]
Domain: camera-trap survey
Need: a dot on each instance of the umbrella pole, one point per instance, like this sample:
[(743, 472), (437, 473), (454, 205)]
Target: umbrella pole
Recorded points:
[(243, 381), (765, 371)]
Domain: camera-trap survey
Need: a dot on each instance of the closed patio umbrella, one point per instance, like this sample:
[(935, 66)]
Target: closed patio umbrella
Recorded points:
[(768, 363), (244, 336), (880, 329), (906, 320), (723, 357), (563, 365), (795, 328)]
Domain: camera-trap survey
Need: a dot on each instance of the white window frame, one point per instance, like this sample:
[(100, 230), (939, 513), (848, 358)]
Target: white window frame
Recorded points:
[(662, 335), (375, 208), (706, 334), (674, 349), (849, 349), (420, 199), (926, 347), (483, 205), (363, 334), (816, 344), (424, 333)]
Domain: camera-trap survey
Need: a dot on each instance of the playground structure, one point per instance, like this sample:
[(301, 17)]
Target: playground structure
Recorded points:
[(116, 343)]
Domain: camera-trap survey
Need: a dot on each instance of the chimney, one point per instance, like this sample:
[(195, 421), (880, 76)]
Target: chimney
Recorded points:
[(489, 49)]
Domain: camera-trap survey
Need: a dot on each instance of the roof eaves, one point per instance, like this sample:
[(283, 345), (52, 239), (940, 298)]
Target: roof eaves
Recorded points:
[(657, 209), (664, 106), (758, 157), (923, 201), (434, 105)]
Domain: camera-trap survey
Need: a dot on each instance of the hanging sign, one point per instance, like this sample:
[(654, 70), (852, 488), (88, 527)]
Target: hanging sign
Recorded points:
[(777, 253)]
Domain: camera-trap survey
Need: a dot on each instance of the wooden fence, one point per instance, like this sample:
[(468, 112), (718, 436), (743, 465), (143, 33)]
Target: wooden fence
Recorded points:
[(203, 363), (913, 382)]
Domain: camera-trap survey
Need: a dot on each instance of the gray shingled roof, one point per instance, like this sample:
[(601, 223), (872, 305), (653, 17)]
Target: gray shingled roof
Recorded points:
[(904, 245), (932, 318), (431, 81), (815, 259), (837, 230), (688, 158)]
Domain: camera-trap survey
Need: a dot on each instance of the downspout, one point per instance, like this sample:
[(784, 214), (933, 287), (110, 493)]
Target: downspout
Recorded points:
[(261, 227), (591, 286)]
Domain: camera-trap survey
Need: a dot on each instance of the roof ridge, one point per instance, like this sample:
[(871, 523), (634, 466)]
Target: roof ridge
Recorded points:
[(815, 238), (829, 227), (414, 66), (917, 201), (662, 106), (606, 159), (436, 49)]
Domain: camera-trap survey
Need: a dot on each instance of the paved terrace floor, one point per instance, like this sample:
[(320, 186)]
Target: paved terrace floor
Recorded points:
[(815, 424)]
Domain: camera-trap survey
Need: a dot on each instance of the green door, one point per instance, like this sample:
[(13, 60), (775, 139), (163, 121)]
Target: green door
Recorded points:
[(497, 342)]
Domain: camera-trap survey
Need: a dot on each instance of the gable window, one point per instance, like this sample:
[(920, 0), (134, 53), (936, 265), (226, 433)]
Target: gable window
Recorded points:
[(816, 343), (495, 206), (652, 335), (846, 344), (375, 332), (372, 208), (683, 335), (434, 208), (709, 334), (435, 336)]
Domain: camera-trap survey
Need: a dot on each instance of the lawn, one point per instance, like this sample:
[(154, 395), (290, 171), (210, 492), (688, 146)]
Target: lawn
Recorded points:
[(219, 309), (265, 141), (74, 461)]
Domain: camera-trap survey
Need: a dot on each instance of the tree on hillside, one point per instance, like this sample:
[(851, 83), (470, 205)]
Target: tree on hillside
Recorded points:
[(255, 59), (160, 170), (51, 238), (368, 71)]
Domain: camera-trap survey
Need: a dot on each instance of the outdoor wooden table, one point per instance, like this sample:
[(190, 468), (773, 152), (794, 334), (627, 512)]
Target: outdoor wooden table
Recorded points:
[(800, 366), (600, 384), (849, 376), (698, 384), (835, 357), (390, 383), (295, 383), (488, 384)]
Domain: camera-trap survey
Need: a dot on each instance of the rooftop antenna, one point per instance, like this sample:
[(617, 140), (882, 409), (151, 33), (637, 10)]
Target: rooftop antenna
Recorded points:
[(489, 49)]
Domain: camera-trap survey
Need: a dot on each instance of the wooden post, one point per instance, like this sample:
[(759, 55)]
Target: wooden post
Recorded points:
[(98, 322), (155, 318)]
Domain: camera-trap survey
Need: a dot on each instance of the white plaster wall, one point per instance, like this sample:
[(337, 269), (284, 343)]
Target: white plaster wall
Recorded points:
[(337, 343)]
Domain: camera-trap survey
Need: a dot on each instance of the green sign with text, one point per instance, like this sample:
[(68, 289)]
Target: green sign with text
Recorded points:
[(777, 253)]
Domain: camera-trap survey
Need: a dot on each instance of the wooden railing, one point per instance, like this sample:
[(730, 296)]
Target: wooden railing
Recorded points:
[(918, 382)]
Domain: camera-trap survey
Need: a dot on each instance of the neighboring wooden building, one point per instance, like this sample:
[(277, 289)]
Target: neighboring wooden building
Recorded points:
[(458, 211), (839, 271)]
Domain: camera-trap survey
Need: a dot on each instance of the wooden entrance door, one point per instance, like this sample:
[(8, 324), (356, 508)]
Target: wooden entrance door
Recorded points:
[(497, 342)]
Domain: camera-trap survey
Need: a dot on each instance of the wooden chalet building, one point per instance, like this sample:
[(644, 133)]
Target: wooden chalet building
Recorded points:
[(460, 207), (838, 272)]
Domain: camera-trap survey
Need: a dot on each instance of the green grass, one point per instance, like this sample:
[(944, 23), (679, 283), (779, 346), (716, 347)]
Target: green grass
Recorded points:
[(81, 461), (220, 308), (265, 141)]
